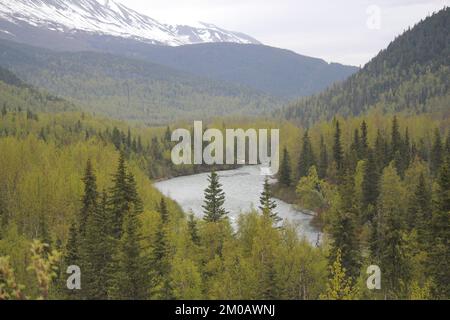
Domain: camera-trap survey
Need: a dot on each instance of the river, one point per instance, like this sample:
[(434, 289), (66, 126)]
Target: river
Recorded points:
[(242, 188)]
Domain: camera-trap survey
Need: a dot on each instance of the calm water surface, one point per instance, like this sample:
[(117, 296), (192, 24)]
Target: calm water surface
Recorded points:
[(242, 187)]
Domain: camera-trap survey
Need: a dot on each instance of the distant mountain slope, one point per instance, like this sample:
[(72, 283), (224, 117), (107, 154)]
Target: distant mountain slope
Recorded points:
[(275, 71), (109, 18), (203, 50), (411, 75), (129, 89), (17, 95)]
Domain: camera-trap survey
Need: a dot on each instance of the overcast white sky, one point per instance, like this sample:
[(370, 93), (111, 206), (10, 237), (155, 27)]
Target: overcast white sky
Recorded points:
[(336, 31)]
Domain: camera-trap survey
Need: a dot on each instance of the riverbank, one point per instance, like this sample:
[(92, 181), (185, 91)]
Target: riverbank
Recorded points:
[(289, 196)]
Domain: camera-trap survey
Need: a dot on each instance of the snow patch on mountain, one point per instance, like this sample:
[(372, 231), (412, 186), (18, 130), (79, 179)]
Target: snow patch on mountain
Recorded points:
[(108, 17)]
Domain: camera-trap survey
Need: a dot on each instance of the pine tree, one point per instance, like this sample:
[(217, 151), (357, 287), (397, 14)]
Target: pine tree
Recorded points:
[(268, 205), (214, 200), (285, 170), (338, 153), (323, 159)]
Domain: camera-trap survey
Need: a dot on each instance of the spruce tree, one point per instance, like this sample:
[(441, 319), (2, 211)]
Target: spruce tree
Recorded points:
[(356, 145), (89, 199), (388, 243), (343, 229), (193, 229), (307, 159), (97, 253), (129, 279), (364, 145), (123, 196), (438, 264), (338, 153), (71, 258), (380, 152), (267, 205), (161, 288), (406, 150), (396, 139), (323, 159), (285, 169), (420, 211), (72, 255), (370, 186), (214, 200)]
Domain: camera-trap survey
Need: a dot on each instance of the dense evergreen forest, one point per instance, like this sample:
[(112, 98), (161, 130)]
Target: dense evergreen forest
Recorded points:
[(76, 189), (410, 76)]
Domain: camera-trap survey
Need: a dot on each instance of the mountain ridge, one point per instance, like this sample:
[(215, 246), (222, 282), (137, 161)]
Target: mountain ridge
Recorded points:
[(411, 75), (109, 18)]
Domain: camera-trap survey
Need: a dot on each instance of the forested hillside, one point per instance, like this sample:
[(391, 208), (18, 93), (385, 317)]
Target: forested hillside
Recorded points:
[(411, 75), (130, 89), (15, 94), (281, 73)]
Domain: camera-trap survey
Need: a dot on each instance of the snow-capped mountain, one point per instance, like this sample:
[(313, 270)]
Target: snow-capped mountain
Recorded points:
[(105, 18)]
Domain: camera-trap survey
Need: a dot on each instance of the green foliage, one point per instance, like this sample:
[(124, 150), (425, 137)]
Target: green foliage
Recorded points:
[(339, 286), (343, 230), (389, 241), (307, 158), (128, 280), (438, 262), (267, 204), (311, 191), (161, 283), (285, 169), (214, 200), (338, 153), (42, 264)]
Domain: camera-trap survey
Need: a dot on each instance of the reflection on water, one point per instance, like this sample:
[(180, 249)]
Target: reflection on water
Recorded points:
[(242, 188)]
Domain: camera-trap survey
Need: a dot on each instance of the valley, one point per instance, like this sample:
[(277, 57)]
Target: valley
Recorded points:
[(92, 96)]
